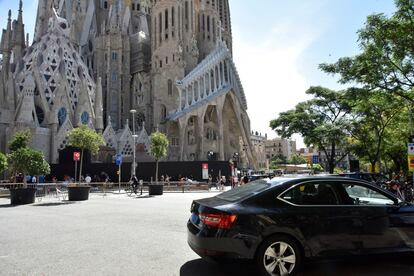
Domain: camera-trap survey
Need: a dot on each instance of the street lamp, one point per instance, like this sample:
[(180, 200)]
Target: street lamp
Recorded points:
[(134, 136)]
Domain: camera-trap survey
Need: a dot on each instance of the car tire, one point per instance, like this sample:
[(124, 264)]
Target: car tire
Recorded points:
[(279, 256)]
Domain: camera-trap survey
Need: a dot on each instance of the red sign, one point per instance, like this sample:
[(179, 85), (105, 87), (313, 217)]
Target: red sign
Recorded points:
[(204, 170), (76, 156)]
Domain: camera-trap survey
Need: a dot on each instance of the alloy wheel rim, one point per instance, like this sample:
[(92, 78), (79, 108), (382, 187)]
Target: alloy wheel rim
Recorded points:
[(279, 259)]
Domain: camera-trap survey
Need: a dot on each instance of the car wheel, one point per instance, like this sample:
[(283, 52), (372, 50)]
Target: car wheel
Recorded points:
[(279, 256)]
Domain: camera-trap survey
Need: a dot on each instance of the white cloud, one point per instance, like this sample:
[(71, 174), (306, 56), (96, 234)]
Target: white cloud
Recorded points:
[(269, 70)]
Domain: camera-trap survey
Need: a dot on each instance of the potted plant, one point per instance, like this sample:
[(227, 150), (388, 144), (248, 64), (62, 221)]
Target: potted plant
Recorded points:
[(159, 146), (83, 138), (23, 161)]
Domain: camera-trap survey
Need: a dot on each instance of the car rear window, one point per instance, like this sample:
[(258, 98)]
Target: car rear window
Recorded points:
[(246, 190)]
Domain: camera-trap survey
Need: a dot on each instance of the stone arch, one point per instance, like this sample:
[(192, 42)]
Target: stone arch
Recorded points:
[(232, 130), (192, 133), (211, 131)]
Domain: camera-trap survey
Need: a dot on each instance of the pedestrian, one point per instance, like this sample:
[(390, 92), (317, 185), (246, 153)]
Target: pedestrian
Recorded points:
[(235, 181), (222, 182), (210, 181), (244, 180), (395, 189), (34, 179), (88, 179)]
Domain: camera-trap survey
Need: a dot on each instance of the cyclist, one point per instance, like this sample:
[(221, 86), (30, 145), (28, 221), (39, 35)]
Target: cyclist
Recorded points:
[(134, 183)]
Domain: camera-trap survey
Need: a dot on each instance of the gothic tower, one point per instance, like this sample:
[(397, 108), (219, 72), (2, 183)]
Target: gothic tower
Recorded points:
[(112, 61), (171, 34)]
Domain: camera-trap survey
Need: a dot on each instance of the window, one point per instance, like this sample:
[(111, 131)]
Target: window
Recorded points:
[(105, 5), (163, 113), (114, 56), (312, 193), (85, 118), (62, 114), (170, 87), (245, 191), (361, 195), (114, 76)]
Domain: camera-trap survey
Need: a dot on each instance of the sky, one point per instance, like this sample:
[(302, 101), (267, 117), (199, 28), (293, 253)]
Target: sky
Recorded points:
[(277, 46)]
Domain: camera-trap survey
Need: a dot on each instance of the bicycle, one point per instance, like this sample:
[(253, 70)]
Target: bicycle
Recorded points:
[(133, 188)]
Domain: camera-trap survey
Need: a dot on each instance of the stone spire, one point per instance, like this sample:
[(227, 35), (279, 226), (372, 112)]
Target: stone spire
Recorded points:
[(18, 36), (98, 106), (26, 107), (6, 38)]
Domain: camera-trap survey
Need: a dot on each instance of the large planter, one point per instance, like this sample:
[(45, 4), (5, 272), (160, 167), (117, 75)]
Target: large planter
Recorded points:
[(155, 189), (21, 196), (78, 193)]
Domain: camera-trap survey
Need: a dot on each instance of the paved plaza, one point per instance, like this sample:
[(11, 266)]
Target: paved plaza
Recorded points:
[(121, 235)]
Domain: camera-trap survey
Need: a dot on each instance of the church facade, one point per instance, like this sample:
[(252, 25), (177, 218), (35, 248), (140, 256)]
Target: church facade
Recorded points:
[(93, 61)]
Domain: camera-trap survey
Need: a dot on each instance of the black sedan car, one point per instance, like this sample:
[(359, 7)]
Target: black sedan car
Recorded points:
[(279, 222)]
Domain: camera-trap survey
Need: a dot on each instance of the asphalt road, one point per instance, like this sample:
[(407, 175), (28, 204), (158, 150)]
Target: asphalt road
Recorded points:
[(120, 235)]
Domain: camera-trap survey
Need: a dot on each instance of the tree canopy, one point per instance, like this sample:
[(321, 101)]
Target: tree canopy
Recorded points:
[(323, 121), (386, 61), (85, 138), (375, 112), (20, 140), (297, 159), (159, 148), (28, 162), (3, 162)]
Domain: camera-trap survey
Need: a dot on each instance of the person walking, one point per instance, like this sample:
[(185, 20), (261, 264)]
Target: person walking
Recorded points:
[(88, 179)]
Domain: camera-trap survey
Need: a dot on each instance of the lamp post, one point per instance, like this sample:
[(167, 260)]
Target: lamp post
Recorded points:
[(134, 136)]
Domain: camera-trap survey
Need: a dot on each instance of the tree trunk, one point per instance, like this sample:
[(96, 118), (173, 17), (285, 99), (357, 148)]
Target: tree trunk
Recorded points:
[(331, 159), (80, 169), (156, 170), (373, 166)]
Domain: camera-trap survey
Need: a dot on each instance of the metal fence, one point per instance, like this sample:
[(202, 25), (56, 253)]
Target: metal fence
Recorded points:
[(59, 190)]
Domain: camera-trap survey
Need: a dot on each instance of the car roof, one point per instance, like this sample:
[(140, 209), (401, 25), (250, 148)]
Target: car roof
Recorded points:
[(289, 180)]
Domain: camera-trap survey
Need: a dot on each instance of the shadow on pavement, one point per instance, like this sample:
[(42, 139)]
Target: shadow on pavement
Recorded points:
[(201, 267), (142, 197), (379, 265), (47, 204), (8, 205)]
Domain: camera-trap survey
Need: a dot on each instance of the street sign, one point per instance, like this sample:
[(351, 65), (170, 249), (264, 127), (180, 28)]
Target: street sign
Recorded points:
[(204, 170), (411, 163), (118, 159), (315, 159), (76, 156), (410, 147)]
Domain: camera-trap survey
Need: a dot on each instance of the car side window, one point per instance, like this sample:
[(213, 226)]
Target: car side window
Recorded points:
[(362, 195), (312, 194)]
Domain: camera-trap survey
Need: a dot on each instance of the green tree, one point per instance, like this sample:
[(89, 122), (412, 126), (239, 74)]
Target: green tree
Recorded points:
[(316, 168), (386, 61), (375, 111), (297, 159), (395, 144), (85, 138), (20, 140), (159, 147), (3, 163), (279, 159), (323, 121), (28, 161)]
